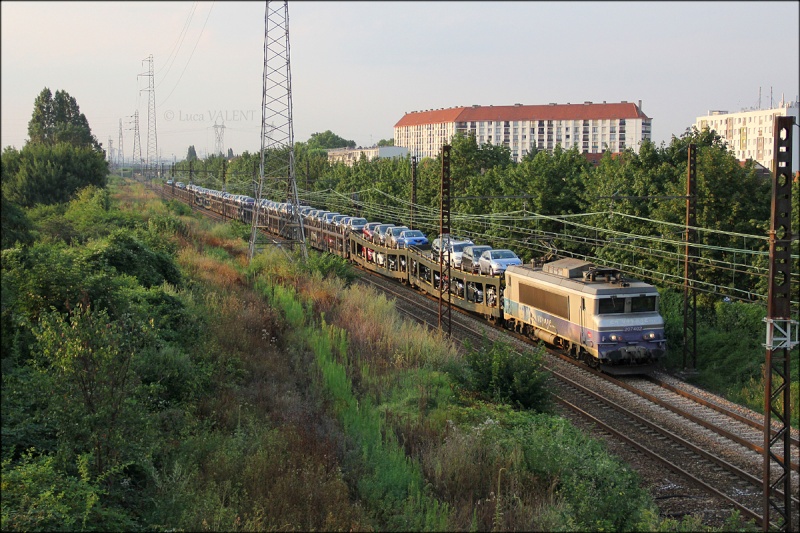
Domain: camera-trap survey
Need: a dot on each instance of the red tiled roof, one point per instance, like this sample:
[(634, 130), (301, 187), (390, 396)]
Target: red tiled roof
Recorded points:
[(434, 116), (524, 112)]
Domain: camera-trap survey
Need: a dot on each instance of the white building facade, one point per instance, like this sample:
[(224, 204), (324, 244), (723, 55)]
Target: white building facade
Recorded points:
[(349, 156), (593, 128), (750, 134)]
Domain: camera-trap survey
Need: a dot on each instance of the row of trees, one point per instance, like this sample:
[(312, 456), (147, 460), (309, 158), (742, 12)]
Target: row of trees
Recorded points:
[(237, 174), (618, 199)]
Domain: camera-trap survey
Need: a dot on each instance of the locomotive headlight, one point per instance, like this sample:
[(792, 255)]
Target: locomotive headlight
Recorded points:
[(650, 336), (615, 338)]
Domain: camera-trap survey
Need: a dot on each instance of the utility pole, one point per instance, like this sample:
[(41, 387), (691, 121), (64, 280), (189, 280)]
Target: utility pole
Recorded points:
[(152, 136), (413, 188), (444, 233), (782, 336), (224, 180), (255, 178), (277, 129), (689, 270)]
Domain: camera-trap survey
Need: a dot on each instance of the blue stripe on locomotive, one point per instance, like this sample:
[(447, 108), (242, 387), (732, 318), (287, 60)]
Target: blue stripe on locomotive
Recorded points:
[(541, 319), (593, 338)]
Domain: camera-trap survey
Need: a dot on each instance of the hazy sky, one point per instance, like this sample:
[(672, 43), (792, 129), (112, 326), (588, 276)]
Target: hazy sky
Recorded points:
[(357, 67)]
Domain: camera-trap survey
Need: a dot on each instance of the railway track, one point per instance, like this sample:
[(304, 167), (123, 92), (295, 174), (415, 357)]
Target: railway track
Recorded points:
[(710, 445), (660, 425)]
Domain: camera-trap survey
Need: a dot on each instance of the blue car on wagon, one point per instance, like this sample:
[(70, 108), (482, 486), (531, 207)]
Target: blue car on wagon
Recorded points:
[(411, 237)]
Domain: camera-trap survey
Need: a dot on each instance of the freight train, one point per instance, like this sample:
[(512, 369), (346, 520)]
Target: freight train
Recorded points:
[(592, 313)]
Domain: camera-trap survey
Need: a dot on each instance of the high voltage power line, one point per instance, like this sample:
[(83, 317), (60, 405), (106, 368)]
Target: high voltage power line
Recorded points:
[(176, 45), (190, 56)]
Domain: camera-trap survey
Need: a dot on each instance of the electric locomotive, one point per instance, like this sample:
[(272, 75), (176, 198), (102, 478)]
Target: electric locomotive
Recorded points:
[(594, 313)]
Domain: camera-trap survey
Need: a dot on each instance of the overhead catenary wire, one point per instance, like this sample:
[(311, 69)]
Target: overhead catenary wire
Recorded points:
[(176, 46), (659, 246), (190, 56)]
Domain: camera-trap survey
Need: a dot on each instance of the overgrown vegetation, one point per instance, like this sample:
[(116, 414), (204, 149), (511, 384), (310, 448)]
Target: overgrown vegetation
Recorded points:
[(160, 392), (153, 379)]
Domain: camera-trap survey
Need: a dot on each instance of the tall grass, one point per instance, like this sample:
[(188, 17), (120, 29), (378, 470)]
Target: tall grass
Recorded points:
[(390, 484), (383, 339), (238, 470)]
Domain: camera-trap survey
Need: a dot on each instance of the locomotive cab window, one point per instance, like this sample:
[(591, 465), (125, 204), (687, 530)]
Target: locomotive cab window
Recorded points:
[(608, 306), (636, 304), (643, 304)]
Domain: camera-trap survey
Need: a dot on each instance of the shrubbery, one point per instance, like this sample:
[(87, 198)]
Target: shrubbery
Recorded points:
[(504, 375), (203, 412)]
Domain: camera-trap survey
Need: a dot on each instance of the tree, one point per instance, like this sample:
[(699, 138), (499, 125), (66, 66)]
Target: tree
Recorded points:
[(88, 357), (230, 153), (47, 174), (470, 160), (328, 139), (59, 120), (191, 155), (386, 142), (16, 226)]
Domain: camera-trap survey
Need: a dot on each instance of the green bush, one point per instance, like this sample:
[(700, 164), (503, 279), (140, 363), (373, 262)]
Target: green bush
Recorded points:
[(329, 265), (39, 497), (505, 375), (89, 213), (128, 255), (50, 174), (50, 276), (88, 357), (179, 208), (50, 224), (16, 226)]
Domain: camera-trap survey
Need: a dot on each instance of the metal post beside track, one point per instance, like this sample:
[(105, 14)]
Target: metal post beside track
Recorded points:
[(689, 294), (444, 229), (782, 336)]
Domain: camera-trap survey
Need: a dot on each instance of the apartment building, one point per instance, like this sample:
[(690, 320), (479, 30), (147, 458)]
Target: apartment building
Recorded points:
[(592, 127), (750, 134), (349, 156)]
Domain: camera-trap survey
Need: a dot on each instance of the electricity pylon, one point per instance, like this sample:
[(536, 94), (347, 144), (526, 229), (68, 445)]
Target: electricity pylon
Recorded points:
[(277, 130), (151, 161)]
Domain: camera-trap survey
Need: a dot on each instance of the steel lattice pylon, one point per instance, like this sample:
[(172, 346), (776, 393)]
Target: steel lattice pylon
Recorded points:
[(136, 158), (219, 139), (151, 161), (277, 131)]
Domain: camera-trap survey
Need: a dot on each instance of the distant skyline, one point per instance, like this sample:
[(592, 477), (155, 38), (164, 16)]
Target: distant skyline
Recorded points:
[(357, 67)]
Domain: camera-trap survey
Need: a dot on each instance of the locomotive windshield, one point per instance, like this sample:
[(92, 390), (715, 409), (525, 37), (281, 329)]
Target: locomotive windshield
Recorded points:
[(643, 304), (611, 305), (635, 304)]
